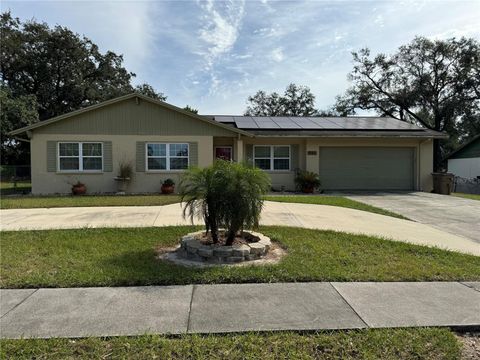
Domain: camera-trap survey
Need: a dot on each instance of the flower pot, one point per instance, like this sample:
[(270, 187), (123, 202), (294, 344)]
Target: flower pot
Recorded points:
[(168, 189), (80, 189), (122, 184), (308, 189)]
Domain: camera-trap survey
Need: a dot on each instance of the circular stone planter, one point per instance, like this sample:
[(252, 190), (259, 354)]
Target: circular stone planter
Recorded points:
[(193, 249)]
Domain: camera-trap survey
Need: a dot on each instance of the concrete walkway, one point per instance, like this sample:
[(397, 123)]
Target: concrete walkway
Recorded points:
[(275, 213), (80, 312), (452, 214)]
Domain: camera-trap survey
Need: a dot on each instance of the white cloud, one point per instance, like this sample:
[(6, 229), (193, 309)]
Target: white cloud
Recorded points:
[(222, 22), (277, 54)]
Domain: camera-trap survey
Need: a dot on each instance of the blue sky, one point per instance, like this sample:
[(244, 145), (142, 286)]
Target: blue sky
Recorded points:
[(212, 55)]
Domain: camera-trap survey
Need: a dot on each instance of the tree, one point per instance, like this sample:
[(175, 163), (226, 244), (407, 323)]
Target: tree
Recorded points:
[(296, 101), (58, 70), (15, 112), (225, 194), (432, 83), (148, 90), (191, 109)]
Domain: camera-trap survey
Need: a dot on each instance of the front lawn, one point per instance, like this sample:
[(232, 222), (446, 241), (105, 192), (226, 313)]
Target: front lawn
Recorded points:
[(25, 202), (467, 196), (122, 257), (426, 343), (332, 201)]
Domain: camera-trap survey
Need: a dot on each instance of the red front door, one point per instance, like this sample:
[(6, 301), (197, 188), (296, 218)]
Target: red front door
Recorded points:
[(223, 152)]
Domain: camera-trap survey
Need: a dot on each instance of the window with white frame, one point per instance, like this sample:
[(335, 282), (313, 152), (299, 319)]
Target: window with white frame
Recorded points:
[(80, 156), (163, 156), (274, 157)]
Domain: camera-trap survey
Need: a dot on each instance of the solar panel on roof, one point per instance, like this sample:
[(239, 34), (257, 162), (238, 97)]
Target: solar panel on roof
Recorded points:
[(317, 123)]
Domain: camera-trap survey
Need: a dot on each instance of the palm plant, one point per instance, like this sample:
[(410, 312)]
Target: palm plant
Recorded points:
[(199, 193), (225, 194), (307, 181), (244, 198)]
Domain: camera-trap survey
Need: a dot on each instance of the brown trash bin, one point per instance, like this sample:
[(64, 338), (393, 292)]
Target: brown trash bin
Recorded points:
[(442, 183)]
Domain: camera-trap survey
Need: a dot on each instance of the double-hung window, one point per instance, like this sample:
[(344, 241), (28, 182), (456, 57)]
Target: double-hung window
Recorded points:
[(166, 156), (274, 157), (80, 156)]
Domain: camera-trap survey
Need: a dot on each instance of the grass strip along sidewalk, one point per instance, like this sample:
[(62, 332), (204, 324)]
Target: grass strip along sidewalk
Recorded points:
[(426, 343)]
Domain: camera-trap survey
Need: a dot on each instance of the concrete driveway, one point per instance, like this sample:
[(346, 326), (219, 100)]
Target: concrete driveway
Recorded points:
[(309, 216), (452, 214)]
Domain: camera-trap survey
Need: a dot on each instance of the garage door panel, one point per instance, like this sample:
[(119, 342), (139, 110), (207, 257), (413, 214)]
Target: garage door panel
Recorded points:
[(366, 168)]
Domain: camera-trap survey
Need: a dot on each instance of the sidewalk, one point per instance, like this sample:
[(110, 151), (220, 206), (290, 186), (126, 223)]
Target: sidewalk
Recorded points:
[(320, 217), (79, 312)]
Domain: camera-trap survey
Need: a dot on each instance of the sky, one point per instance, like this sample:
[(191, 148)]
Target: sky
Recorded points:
[(212, 55)]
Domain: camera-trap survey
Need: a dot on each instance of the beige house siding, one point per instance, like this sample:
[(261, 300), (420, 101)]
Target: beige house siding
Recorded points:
[(123, 148)]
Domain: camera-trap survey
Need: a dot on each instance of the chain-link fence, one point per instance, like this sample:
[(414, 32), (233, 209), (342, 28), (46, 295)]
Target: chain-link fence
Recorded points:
[(15, 179), (467, 186)]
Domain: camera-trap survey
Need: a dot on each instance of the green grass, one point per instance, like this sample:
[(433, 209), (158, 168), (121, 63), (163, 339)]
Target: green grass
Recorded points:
[(87, 200), (425, 343), (467, 196), (333, 201), (122, 257)]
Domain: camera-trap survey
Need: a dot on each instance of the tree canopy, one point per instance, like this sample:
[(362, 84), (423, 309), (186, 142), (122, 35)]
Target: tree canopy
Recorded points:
[(297, 100), (432, 83), (46, 72)]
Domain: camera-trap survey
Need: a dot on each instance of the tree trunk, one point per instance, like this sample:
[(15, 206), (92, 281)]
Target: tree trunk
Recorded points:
[(214, 231), (230, 238)]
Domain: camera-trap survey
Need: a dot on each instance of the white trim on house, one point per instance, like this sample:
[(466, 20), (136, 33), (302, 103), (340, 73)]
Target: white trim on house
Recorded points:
[(272, 158), (80, 157), (167, 157)]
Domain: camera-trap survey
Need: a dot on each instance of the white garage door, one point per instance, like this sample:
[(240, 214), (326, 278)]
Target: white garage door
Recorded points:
[(366, 168)]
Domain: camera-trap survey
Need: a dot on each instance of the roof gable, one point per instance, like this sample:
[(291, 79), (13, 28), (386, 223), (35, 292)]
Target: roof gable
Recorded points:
[(469, 150), (132, 114)]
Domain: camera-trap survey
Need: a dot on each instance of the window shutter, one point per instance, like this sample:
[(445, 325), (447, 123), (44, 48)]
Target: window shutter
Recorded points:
[(140, 158), (193, 153), (51, 156), (249, 154), (107, 156), (294, 157)]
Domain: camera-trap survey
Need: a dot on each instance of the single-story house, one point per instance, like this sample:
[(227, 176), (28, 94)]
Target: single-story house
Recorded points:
[(465, 161), (161, 140)]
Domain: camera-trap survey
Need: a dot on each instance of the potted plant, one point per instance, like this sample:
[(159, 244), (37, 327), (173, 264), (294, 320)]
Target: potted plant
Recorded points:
[(168, 186), (125, 173), (307, 181), (79, 188)]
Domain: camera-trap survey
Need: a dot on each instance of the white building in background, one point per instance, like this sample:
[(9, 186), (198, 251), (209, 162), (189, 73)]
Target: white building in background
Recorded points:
[(465, 161)]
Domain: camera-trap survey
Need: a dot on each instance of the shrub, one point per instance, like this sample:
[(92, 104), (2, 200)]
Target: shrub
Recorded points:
[(125, 170), (307, 181), (226, 195)]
